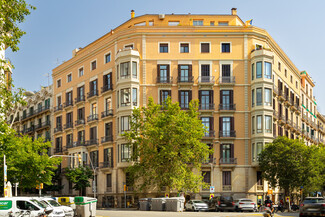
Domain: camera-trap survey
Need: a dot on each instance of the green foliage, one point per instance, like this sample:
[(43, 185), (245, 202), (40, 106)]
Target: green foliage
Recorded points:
[(79, 176), (166, 147), (289, 164), (12, 12)]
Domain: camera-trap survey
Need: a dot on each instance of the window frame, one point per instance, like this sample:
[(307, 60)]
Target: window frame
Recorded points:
[(205, 43), (224, 43), (58, 83), (91, 65), (105, 57), (83, 71), (197, 20), (69, 77), (180, 47), (168, 47)]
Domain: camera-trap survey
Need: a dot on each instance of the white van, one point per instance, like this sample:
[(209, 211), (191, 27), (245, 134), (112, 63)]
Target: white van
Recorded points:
[(57, 212), (68, 211), (20, 205)]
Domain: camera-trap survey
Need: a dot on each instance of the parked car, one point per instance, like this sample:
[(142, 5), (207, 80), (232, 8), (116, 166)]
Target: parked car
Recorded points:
[(226, 203), (56, 212), (214, 203), (22, 206), (196, 205), (68, 211), (312, 206), (245, 204)]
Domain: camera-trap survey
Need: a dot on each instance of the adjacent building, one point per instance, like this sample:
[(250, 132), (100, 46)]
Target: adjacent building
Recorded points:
[(249, 90)]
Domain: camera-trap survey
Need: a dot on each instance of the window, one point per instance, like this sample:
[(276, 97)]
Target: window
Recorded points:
[(253, 71), (59, 122), (259, 180), (184, 48), (185, 73), (134, 69), (253, 98), (253, 125), (93, 133), (108, 180), (93, 87), (285, 73), (58, 144), (125, 97), (205, 47), (227, 153), (163, 74), (94, 109), (206, 177), (151, 23), (173, 23), (225, 47), (69, 119), (93, 65), (125, 123), (107, 82), (185, 96), (125, 70), (226, 99), (267, 70), (259, 96), (94, 158), (253, 152), (259, 70), (226, 127), (205, 73), (211, 23), (268, 97), (164, 95), (197, 22), (206, 100), (134, 96), (81, 114), (291, 79), (125, 152), (268, 124), (226, 178), (80, 93), (81, 72), (279, 66), (223, 23), (225, 72), (25, 205), (259, 148), (69, 139), (108, 104), (58, 83), (140, 24), (163, 48), (296, 84), (107, 58), (208, 124), (68, 98), (259, 124), (109, 129)]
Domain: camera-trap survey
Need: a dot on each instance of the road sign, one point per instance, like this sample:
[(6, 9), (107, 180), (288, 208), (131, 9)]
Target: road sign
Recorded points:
[(5, 172), (288, 199), (211, 196), (269, 191), (166, 195), (211, 189)]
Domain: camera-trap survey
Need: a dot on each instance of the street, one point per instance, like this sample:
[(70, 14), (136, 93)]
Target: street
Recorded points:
[(136, 213)]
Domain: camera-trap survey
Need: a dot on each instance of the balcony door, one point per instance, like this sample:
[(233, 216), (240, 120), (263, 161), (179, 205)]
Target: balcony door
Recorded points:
[(206, 99), (163, 73), (226, 153), (226, 98)]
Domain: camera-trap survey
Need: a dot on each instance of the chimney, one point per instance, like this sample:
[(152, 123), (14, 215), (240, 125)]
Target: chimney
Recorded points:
[(74, 52), (233, 11), (132, 14)]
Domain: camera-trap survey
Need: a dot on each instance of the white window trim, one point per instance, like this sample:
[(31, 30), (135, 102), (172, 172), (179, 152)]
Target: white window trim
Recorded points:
[(224, 42), (106, 55), (91, 108), (57, 82), (205, 63), (159, 89), (81, 84), (226, 63), (204, 42), (91, 63), (82, 67), (107, 71), (69, 90), (167, 42), (93, 78), (185, 42), (67, 78)]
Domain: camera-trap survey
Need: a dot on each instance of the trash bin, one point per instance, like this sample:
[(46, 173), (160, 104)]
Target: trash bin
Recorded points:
[(175, 204), (158, 204), (85, 206), (145, 204)]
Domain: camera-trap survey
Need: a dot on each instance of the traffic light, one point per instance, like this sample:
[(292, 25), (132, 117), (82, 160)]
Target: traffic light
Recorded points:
[(125, 188), (79, 158)]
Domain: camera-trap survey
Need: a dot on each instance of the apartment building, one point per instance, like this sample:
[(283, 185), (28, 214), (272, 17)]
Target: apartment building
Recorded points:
[(35, 118), (249, 92)]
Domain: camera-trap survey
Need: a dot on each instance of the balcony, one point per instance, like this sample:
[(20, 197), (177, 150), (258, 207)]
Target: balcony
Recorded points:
[(58, 129), (92, 93), (206, 79), (79, 99), (185, 79), (109, 189), (30, 129), (43, 125), (226, 188), (79, 122), (228, 161), (106, 164), (275, 90), (58, 108), (107, 138), (210, 133), (184, 106), (210, 160), (107, 87), (107, 113), (91, 142), (227, 133), (227, 107), (275, 115), (206, 106), (164, 80), (78, 144), (68, 125), (68, 104), (58, 149), (227, 80), (93, 117)]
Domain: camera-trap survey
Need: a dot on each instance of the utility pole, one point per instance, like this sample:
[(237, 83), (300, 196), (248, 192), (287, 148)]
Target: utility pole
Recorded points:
[(4, 175)]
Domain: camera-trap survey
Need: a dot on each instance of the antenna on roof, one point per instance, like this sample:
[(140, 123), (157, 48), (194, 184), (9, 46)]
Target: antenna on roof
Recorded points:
[(48, 78)]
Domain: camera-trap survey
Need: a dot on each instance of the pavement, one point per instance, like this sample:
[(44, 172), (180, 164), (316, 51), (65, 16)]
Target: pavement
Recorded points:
[(137, 213)]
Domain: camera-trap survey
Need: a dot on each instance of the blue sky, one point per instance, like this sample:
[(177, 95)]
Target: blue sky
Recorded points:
[(55, 28)]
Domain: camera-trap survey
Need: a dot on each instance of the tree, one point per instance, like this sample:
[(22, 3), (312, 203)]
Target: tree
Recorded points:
[(287, 163), (79, 176), (166, 147)]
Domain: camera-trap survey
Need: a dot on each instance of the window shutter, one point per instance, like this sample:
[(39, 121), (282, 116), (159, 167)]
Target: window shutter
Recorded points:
[(190, 71), (111, 156), (232, 123), (179, 71), (189, 96), (158, 70), (200, 95), (111, 129), (220, 123), (170, 93), (231, 100), (160, 97), (231, 150), (221, 100), (168, 73), (211, 96), (111, 80), (66, 97), (221, 148), (179, 97), (211, 123), (78, 92)]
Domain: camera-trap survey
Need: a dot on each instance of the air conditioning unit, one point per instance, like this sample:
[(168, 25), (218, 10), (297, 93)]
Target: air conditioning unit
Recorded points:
[(161, 16)]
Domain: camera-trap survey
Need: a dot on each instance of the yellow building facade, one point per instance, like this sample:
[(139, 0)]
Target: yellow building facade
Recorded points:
[(249, 92)]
